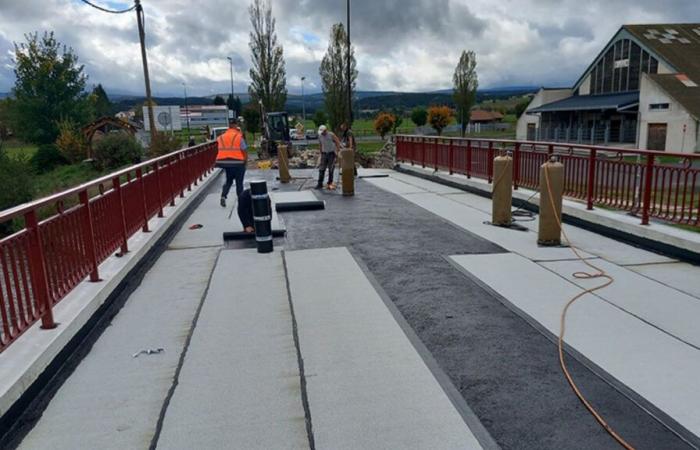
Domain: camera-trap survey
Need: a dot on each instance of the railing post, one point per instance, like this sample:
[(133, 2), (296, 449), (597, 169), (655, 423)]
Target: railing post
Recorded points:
[(142, 185), (171, 177), (451, 157), (116, 185), (516, 165), (648, 175), (423, 155), (489, 162), (156, 172), (89, 235), (469, 158), (39, 281), (181, 174), (591, 179)]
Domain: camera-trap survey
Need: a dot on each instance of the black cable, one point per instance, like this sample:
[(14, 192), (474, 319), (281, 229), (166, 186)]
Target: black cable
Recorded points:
[(108, 10)]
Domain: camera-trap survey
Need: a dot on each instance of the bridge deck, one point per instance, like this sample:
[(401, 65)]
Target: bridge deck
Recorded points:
[(399, 348)]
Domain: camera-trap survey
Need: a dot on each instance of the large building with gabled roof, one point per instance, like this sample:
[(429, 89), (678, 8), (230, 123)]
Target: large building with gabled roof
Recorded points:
[(640, 91)]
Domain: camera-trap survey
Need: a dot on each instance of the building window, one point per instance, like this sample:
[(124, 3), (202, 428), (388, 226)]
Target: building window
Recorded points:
[(659, 106)]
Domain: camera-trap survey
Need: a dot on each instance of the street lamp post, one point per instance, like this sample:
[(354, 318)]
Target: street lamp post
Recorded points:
[(303, 102), (187, 111), (348, 71), (230, 60)]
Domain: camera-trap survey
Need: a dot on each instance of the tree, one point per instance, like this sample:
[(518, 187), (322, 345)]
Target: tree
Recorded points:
[(521, 106), (138, 110), (439, 117), (267, 74), (4, 119), (234, 104), (419, 116), (465, 84), (49, 86), (398, 120), (70, 142), (219, 100), (334, 76), (319, 118), (251, 116), (100, 102), (383, 123)]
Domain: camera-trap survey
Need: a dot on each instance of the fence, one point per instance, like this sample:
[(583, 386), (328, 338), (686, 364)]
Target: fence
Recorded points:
[(662, 185), (46, 259)]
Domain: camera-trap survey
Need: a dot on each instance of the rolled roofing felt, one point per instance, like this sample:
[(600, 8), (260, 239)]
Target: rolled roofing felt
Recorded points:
[(311, 205), (242, 235)]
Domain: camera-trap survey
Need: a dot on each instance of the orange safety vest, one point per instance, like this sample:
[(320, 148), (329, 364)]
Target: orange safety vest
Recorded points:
[(229, 146)]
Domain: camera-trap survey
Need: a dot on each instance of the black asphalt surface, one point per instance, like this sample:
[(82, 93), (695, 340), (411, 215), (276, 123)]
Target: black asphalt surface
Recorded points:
[(505, 369)]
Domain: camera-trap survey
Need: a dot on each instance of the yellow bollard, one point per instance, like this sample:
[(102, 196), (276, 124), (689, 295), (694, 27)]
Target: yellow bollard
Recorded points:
[(551, 193), (283, 163), (347, 164), (502, 193)]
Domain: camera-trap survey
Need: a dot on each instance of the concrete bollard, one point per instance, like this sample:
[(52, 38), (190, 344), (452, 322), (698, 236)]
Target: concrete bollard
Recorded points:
[(502, 193), (347, 164), (551, 193), (283, 163), (262, 215)]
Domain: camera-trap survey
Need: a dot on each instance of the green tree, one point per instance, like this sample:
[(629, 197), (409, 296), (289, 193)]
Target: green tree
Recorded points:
[(319, 118), (419, 116), (49, 86), (234, 104), (465, 84), (398, 120), (100, 102), (521, 106), (4, 119), (267, 74), (16, 186), (251, 116), (219, 100), (334, 76)]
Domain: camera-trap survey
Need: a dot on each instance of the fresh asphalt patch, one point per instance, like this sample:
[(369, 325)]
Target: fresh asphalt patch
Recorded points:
[(506, 370)]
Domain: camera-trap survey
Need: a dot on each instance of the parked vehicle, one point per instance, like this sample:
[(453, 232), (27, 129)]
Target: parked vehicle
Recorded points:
[(216, 132), (311, 134)]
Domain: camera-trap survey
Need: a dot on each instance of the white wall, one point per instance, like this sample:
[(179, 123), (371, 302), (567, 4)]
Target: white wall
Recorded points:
[(585, 87), (675, 118), (542, 97)]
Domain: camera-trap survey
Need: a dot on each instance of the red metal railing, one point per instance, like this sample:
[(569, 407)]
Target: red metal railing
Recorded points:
[(46, 259), (655, 184)]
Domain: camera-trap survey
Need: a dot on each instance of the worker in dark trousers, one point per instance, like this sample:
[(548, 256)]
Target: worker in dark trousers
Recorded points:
[(330, 146), (232, 156), (348, 141)]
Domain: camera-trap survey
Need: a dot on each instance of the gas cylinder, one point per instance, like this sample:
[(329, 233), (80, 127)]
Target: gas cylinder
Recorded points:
[(347, 165), (551, 193), (283, 163), (502, 193)]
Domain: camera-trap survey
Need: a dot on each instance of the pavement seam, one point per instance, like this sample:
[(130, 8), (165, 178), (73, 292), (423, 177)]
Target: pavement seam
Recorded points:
[(657, 414), (300, 359), (181, 361)]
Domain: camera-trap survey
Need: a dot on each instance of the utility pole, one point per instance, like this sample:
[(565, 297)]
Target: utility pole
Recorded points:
[(149, 100), (230, 61), (187, 111), (303, 102), (348, 71)]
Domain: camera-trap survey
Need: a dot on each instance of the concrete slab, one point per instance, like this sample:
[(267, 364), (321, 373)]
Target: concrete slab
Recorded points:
[(592, 243), (681, 276), (280, 197), (426, 185), (215, 221), (648, 361), (239, 385), (367, 386), (521, 242), (113, 400), (394, 186), (670, 310)]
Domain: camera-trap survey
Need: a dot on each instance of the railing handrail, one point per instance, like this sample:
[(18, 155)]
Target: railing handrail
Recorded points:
[(604, 148), (19, 210)]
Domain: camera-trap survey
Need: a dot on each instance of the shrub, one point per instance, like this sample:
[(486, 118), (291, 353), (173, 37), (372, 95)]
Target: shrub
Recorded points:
[(163, 144), (419, 116), (16, 186), (439, 117), (70, 142), (117, 150), (383, 123), (47, 158)]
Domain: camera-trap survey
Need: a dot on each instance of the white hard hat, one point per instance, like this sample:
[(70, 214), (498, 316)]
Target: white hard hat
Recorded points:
[(321, 129)]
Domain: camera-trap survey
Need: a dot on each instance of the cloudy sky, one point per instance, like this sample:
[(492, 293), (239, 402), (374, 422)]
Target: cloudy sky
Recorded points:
[(404, 45)]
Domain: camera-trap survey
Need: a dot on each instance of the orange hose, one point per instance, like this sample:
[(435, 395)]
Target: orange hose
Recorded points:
[(599, 273)]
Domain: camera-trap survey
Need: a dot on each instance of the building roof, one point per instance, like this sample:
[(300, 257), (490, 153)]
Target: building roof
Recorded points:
[(678, 44), (480, 115), (591, 102), (684, 91)]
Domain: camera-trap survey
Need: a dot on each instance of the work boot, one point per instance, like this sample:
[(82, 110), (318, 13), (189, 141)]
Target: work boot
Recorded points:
[(319, 186), (223, 202)]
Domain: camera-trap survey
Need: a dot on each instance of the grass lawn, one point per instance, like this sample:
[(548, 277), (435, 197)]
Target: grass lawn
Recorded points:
[(19, 149), (369, 147)]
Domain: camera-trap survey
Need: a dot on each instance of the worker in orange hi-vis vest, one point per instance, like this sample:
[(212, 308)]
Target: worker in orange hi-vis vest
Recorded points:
[(232, 157)]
